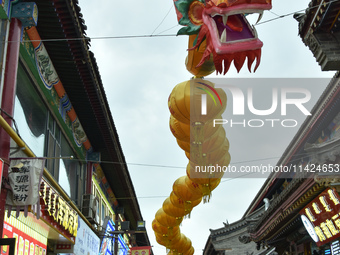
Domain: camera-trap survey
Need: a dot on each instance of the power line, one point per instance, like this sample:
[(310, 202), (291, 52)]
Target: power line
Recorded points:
[(292, 13), (166, 35), (163, 19)]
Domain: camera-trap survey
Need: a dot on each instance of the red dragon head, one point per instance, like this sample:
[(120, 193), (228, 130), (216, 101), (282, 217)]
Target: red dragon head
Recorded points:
[(219, 28)]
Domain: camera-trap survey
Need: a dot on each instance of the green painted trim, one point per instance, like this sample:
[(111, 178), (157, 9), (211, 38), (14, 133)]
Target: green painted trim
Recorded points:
[(51, 96), (4, 9)]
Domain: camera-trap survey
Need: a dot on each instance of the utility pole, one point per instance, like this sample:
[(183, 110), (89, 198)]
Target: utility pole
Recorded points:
[(117, 232)]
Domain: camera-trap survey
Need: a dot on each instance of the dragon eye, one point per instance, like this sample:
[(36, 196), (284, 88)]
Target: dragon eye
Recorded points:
[(195, 13)]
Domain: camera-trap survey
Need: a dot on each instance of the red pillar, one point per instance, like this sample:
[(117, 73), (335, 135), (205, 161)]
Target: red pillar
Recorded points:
[(7, 104), (89, 172)]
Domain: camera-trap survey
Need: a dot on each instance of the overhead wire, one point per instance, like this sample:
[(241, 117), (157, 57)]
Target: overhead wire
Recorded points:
[(292, 13), (172, 35), (162, 20), (167, 35)]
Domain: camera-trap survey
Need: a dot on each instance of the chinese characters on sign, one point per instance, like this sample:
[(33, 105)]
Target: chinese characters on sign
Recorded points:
[(24, 176), (321, 217), (56, 209), (87, 242), (25, 243)]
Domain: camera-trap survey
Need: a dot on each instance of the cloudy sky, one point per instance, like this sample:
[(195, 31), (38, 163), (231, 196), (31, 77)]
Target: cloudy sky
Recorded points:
[(139, 73)]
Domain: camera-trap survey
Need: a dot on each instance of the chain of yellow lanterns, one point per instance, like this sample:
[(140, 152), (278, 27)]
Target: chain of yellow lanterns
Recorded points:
[(204, 145)]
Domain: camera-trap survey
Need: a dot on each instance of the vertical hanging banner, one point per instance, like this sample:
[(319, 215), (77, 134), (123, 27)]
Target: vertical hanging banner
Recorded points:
[(24, 175)]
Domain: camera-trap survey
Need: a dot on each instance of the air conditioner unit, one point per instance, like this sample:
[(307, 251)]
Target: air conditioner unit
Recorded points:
[(89, 208)]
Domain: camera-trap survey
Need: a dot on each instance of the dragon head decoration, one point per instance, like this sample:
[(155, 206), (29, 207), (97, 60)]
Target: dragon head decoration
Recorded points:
[(219, 33)]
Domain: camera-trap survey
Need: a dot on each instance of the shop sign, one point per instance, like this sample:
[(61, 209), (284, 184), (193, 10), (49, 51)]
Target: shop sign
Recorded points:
[(335, 247), (321, 217), (63, 248), (24, 176), (87, 242), (56, 211), (142, 250), (25, 243)]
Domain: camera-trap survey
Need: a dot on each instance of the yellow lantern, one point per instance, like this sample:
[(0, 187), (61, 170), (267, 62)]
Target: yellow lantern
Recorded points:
[(182, 245), (191, 251), (187, 205), (181, 190), (210, 158), (179, 129), (167, 220), (160, 229), (172, 210), (184, 145), (188, 94), (167, 241), (199, 149), (203, 174)]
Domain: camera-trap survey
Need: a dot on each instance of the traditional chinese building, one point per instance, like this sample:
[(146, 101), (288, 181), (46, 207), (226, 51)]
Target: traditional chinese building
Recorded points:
[(54, 109), (233, 238), (303, 213), (319, 29)]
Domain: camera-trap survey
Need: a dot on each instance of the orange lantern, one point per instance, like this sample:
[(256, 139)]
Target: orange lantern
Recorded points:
[(193, 186), (166, 240), (191, 251), (167, 220), (172, 210), (187, 205), (184, 145), (160, 229), (179, 129), (182, 245), (181, 190)]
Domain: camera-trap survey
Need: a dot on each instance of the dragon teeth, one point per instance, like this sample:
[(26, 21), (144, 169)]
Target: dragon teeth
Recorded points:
[(260, 17), (225, 19), (223, 38)]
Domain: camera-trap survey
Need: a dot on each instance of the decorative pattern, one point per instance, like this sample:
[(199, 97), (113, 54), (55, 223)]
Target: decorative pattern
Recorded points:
[(45, 67), (51, 80)]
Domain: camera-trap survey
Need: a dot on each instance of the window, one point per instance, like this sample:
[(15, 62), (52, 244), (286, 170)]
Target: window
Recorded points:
[(53, 147), (103, 211), (30, 114), (42, 133)]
